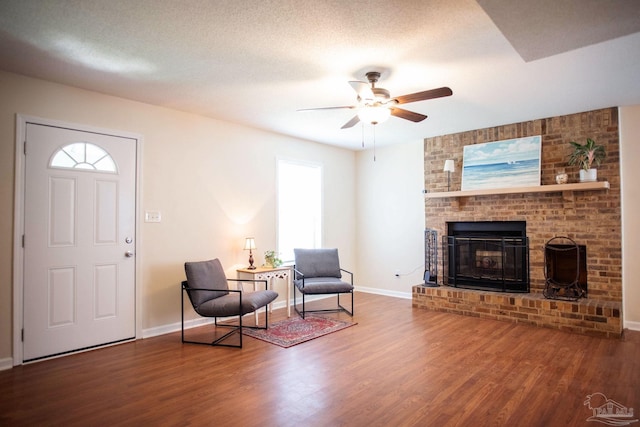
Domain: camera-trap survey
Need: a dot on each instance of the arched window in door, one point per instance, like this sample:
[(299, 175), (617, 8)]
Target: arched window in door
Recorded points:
[(84, 156)]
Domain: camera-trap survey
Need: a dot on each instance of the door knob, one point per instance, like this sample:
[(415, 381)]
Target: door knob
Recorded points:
[(128, 254)]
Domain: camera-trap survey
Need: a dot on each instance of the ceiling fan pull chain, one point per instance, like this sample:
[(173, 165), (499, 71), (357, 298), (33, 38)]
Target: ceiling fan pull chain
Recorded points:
[(362, 134), (374, 143)]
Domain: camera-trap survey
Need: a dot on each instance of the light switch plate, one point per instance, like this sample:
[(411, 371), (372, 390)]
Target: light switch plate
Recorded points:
[(152, 216)]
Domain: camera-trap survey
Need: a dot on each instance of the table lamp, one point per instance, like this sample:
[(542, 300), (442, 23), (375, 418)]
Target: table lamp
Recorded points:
[(449, 166), (250, 245)]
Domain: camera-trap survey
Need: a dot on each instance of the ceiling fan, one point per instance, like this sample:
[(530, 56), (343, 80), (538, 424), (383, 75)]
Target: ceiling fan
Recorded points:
[(375, 104)]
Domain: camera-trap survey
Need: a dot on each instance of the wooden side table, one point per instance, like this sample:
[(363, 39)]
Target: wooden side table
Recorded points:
[(269, 274)]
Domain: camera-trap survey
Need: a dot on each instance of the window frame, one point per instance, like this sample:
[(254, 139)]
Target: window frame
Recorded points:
[(94, 165), (319, 232)]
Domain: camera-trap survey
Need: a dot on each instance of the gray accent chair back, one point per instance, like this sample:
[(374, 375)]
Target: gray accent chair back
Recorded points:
[(318, 272), (208, 290)]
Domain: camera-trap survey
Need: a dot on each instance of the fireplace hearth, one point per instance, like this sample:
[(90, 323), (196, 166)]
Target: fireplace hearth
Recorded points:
[(487, 255)]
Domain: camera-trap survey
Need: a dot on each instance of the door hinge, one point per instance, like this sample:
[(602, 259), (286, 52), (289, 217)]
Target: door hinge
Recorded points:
[(22, 334), (25, 147), (23, 241)]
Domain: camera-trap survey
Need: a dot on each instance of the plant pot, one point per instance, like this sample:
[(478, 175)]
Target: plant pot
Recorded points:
[(588, 175)]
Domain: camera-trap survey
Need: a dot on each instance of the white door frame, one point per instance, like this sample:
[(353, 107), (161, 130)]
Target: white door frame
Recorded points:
[(18, 222)]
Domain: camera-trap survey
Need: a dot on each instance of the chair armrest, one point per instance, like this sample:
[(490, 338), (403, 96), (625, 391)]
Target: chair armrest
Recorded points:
[(349, 273), (189, 288), (296, 273)]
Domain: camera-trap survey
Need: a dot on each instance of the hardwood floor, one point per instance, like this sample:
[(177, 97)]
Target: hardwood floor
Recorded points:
[(398, 367)]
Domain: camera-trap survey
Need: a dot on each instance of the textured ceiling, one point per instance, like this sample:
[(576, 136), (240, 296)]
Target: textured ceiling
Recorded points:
[(257, 62), (549, 27)]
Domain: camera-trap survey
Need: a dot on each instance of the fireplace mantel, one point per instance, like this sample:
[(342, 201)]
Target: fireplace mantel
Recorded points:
[(578, 186)]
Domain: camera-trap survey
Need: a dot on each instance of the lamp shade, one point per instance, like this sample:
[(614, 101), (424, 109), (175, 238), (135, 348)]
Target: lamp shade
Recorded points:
[(373, 114), (249, 244), (449, 166)]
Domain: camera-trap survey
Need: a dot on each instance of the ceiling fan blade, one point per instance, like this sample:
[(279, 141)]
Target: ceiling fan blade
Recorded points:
[(362, 89), (422, 96), (351, 122), (408, 115), (350, 107)]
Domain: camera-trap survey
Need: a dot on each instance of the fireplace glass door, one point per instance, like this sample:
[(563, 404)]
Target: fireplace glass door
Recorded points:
[(488, 255)]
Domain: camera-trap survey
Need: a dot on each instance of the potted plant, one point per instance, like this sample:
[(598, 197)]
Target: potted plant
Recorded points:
[(271, 259), (585, 156)]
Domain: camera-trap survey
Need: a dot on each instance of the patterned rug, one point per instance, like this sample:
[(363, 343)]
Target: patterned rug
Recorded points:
[(289, 332)]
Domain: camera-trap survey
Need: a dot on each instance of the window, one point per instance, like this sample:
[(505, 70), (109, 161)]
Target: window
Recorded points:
[(83, 155), (299, 207)]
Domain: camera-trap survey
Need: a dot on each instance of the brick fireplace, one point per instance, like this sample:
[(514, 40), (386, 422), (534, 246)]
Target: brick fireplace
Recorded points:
[(592, 218)]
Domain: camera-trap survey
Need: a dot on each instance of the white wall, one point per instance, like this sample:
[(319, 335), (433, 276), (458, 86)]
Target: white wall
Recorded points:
[(214, 183), (390, 230), (629, 179)]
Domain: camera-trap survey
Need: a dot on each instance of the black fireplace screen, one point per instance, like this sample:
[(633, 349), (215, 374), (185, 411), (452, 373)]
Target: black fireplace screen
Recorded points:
[(482, 259)]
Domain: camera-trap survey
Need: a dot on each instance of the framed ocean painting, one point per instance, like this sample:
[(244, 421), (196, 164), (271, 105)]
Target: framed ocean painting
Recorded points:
[(501, 164)]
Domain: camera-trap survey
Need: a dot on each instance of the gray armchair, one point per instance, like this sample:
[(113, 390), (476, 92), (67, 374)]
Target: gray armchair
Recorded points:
[(318, 272), (208, 290)]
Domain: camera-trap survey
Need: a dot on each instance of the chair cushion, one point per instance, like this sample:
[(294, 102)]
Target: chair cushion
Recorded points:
[(323, 285), (206, 275), (251, 301), (227, 305), (317, 262)]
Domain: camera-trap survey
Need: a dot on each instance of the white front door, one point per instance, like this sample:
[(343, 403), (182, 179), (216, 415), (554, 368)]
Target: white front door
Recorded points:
[(79, 248)]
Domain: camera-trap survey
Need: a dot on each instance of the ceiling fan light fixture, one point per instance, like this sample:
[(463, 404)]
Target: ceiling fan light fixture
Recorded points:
[(375, 105), (373, 114)]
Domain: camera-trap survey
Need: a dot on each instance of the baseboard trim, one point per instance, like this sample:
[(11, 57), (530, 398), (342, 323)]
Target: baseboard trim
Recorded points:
[(6, 363), (634, 326), (174, 327), (395, 294)]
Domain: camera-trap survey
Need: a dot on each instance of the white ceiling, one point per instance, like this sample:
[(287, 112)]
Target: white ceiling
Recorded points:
[(255, 62)]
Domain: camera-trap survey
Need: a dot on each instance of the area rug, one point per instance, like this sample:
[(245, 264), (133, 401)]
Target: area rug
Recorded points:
[(289, 332)]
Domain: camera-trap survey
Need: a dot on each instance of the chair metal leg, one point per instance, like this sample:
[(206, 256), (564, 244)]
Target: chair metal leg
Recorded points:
[(235, 327), (217, 341), (344, 308), (182, 314), (295, 305), (329, 310), (266, 322)]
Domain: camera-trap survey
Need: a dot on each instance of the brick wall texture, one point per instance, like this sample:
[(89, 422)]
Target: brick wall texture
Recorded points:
[(585, 316), (591, 218)]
